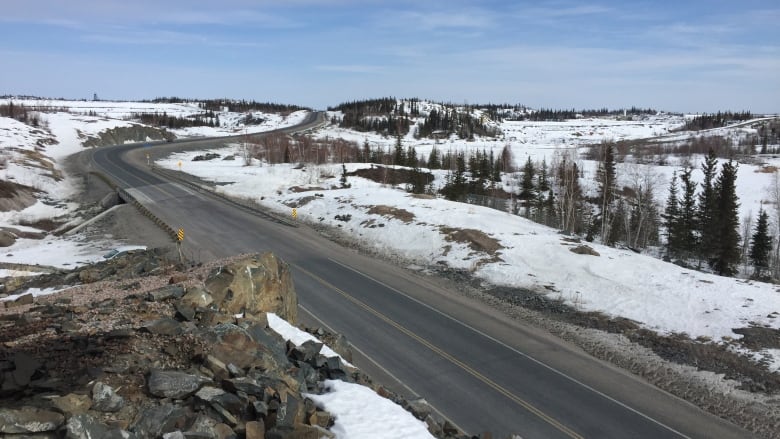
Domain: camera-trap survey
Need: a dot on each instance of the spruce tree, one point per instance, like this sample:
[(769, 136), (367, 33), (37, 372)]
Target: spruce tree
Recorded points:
[(672, 218), (434, 161), (687, 224), (399, 158), (761, 245), (527, 190), (726, 248), (605, 177), (707, 220)]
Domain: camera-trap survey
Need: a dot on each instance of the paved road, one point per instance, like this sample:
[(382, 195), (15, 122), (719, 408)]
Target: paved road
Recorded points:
[(480, 369)]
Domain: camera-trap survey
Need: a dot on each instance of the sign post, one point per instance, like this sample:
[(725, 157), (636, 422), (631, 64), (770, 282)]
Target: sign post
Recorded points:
[(179, 239)]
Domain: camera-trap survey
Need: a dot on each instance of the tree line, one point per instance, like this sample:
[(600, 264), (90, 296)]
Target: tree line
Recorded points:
[(702, 221), (232, 105), (165, 120), (717, 120), (549, 114)]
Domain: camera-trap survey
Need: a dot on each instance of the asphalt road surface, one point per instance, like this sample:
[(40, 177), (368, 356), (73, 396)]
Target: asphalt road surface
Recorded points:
[(478, 368)]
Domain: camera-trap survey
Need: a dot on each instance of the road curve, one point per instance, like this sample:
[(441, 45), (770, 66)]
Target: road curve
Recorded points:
[(478, 368)]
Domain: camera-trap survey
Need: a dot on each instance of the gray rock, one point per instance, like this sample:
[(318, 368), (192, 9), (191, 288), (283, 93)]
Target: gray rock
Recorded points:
[(419, 408), (216, 366), (165, 293), (153, 422), (260, 408), (244, 384), (29, 420), (290, 412), (174, 435), (163, 326), (25, 367), (225, 414), (235, 371), (231, 402), (105, 399), (185, 311), (306, 352), (174, 384), (85, 426), (202, 425), (208, 393)]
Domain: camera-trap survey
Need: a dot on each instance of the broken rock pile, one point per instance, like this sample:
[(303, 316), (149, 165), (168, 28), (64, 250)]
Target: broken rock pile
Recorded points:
[(181, 361)]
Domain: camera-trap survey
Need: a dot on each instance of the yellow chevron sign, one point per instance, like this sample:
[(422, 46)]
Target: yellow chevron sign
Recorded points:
[(180, 235)]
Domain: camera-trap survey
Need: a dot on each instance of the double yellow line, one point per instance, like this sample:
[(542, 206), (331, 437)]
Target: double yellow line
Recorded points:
[(516, 399)]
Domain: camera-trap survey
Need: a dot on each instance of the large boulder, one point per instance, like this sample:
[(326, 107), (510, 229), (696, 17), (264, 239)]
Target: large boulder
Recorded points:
[(255, 284)]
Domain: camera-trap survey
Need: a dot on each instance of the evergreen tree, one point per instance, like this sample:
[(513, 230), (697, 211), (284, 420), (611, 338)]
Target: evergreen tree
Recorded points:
[(434, 159), (527, 191), (761, 245), (411, 157), (707, 211), (672, 218), (687, 224), (605, 177), (727, 251), (343, 179), (399, 158)]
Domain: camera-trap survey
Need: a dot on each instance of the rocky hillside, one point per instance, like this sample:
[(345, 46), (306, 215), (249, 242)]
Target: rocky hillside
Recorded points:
[(144, 348)]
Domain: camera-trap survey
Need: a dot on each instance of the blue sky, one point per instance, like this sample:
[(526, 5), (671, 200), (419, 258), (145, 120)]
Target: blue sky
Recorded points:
[(690, 56)]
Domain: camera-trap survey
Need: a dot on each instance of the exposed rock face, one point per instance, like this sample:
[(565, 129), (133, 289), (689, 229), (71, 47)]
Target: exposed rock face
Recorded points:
[(133, 133), (257, 284), (7, 239)]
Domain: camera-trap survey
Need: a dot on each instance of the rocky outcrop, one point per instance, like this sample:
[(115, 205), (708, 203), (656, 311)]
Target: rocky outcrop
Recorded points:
[(173, 362), (133, 133), (256, 284)]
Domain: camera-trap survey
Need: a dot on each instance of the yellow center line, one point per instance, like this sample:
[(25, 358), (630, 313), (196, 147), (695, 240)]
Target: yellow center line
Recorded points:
[(519, 401)]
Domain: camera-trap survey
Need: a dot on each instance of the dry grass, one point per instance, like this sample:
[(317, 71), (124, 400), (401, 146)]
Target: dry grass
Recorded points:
[(767, 169), (298, 189), (477, 240), (392, 212)]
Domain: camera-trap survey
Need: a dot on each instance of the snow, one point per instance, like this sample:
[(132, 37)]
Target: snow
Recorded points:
[(299, 337), (360, 413)]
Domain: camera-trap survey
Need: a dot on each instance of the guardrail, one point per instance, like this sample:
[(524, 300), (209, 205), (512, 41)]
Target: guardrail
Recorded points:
[(247, 205)]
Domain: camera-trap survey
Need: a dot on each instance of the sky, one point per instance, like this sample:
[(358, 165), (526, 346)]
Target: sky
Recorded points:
[(686, 56)]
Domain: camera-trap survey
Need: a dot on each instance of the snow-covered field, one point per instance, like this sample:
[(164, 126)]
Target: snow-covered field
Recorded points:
[(657, 295)]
